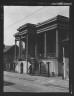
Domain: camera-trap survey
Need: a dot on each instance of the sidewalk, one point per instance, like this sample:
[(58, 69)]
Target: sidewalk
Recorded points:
[(46, 81)]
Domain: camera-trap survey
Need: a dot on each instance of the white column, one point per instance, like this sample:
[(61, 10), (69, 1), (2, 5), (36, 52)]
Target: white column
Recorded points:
[(26, 46), (27, 50), (15, 49), (64, 65), (45, 45), (19, 47), (57, 43)]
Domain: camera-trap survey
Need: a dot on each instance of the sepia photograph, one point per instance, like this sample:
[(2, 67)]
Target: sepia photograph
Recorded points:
[(36, 49)]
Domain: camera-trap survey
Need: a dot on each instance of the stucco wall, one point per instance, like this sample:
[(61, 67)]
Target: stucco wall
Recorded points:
[(53, 66), (18, 66), (66, 61)]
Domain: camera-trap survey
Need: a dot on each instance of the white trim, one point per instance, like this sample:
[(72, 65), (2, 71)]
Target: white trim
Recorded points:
[(45, 22), (59, 17), (47, 28), (23, 32), (23, 26)]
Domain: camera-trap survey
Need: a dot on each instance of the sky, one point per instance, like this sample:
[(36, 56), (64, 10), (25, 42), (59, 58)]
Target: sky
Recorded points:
[(16, 16)]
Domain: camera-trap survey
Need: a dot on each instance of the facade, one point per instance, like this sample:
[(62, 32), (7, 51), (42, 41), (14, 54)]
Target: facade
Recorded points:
[(43, 44), (9, 53), (65, 46)]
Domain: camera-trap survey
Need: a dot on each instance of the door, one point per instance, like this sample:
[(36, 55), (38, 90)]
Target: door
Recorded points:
[(21, 67)]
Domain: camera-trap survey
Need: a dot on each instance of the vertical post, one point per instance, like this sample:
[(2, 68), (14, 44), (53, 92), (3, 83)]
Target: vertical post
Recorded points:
[(45, 45), (40, 68), (19, 47), (48, 68), (57, 43), (15, 49), (36, 50), (6, 66), (64, 71), (14, 66), (26, 46), (27, 51)]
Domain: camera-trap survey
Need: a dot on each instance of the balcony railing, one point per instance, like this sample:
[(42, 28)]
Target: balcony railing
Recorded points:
[(48, 55)]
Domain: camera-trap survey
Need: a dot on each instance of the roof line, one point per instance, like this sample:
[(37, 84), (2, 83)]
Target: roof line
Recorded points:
[(52, 19)]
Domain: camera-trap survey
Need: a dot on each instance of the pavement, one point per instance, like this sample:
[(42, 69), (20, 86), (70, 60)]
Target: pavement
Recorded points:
[(46, 81)]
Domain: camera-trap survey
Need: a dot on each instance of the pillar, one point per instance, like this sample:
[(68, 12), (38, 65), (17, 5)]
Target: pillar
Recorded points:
[(19, 47), (15, 49), (27, 51), (36, 49), (6, 66), (45, 45), (57, 43), (48, 69), (40, 68), (64, 69), (27, 47)]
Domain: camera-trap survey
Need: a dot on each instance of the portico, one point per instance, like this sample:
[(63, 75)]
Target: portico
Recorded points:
[(25, 35), (42, 41)]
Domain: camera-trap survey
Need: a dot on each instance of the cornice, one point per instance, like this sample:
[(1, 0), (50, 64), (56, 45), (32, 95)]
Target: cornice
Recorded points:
[(58, 17), (25, 25), (16, 34), (46, 22), (47, 28), (23, 32), (21, 27)]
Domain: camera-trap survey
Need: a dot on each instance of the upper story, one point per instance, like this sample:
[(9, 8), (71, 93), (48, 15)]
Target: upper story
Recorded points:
[(59, 22)]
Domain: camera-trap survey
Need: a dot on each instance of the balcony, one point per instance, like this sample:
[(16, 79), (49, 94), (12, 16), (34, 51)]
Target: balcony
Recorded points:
[(48, 55)]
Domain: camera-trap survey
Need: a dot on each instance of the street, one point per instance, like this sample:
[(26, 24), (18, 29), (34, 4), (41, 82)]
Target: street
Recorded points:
[(16, 84)]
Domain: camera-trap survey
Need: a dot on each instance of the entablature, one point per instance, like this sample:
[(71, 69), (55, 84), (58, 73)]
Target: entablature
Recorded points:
[(23, 32), (46, 22), (16, 34), (26, 26), (58, 19), (47, 28)]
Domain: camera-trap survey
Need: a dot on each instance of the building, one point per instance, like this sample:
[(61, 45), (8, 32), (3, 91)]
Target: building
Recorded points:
[(9, 53), (65, 46), (43, 44)]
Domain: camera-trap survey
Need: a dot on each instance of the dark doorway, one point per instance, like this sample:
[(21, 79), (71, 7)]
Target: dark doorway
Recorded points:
[(21, 67), (14, 66)]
